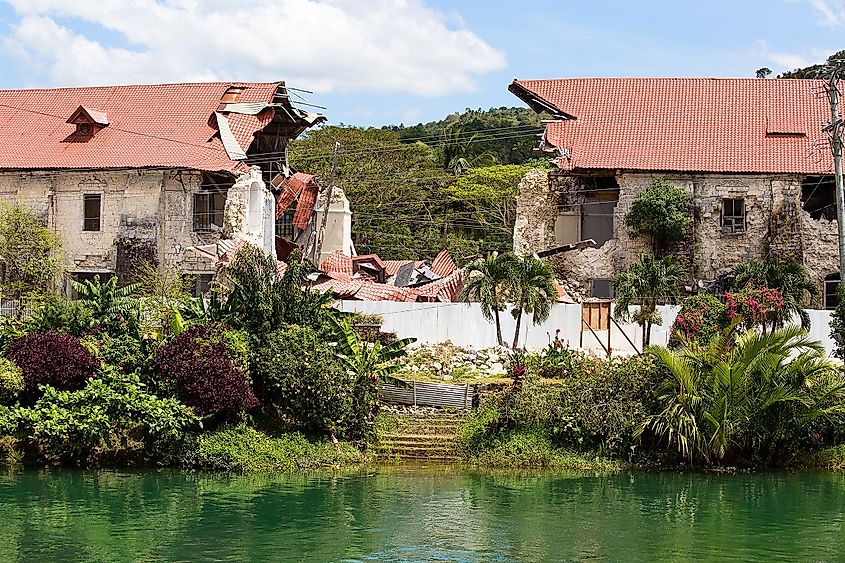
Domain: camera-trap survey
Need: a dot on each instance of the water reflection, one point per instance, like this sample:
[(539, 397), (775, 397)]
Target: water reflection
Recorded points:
[(419, 515)]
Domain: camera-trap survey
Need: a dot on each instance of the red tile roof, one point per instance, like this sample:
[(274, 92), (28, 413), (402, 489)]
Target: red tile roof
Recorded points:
[(443, 265), (162, 125), (337, 262), (391, 267), (446, 290), (302, 187), (685, 124)]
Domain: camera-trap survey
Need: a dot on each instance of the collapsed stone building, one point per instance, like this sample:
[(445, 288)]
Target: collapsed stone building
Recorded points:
[(132, 174), (752, 154)]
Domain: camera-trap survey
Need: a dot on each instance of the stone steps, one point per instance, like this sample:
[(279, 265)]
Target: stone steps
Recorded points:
[(423, 437)]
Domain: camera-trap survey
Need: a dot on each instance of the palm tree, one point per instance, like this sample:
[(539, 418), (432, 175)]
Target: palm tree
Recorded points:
[(743, 396), (487, 282), (787, 276), (533, 292), (646, 283)]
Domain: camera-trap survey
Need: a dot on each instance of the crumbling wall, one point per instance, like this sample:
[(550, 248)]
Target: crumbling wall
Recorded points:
[(536, 211), (145, 216), (820, 250), (772, 226)]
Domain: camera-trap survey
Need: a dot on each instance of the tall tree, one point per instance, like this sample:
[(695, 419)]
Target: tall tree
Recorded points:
[(487, 281), (646, 283), (662, 213), (31, 252), (533, 292)]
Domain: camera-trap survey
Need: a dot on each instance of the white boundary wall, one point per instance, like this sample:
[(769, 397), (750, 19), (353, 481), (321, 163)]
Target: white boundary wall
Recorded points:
[(465, 326)]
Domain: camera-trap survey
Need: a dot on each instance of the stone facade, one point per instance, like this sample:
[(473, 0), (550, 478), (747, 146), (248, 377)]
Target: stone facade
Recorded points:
[(775, 224), (145, 215)]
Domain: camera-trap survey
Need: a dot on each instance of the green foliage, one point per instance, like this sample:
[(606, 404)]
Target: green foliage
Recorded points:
[(59, 313), (296, 374), (30, 250), (789, 277), (105, 299), (837, 322), (836, 62), (123, 351), (401, 181), (598, 407), (507, 134), (244, 449), (527, 447), (532, 291), (486, 280), (260, 300), (646, 283), (701, 318), (483, 203), (661, 212), (557, 359), (368, 360), (752, 398), (112, 419), (11, 382)]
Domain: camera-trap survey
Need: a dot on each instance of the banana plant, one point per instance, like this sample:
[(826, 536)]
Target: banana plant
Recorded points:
[(105, 298), (369, 360)]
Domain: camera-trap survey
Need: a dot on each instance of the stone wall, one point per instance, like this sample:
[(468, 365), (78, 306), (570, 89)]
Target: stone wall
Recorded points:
[(145, 216), (776, 225)]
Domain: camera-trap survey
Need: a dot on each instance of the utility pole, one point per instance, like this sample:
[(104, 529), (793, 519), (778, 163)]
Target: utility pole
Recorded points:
[(836, 146), (329, 192)]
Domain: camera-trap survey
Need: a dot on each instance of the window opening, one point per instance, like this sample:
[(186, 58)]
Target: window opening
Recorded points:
[(831, 296), (208, 210), (733, 215), (91, 208)]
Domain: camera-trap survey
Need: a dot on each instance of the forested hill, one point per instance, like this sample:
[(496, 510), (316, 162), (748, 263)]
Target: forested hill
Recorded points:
[(503, 133), (415, 190)]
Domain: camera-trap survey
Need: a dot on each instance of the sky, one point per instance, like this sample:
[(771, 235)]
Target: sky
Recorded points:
[(379, 62)]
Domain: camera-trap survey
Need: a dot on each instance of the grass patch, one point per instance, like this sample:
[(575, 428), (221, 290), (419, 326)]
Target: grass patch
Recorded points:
[(244, 449), (521, 448), (829, 458)]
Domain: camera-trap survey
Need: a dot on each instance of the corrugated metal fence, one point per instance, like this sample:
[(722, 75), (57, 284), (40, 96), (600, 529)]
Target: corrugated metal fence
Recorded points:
[(422, 394)]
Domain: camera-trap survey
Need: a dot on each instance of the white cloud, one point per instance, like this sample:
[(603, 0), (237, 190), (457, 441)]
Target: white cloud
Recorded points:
[(831, 12), (784, 61), (324, 45)]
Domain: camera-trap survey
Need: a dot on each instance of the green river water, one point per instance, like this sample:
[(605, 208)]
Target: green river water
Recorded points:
[(420, 515)]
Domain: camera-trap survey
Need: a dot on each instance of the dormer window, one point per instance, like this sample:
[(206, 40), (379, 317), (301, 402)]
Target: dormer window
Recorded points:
[(88, 121)]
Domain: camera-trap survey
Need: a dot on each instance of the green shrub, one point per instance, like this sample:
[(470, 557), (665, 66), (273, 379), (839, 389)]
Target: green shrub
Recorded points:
[(599, 407), (124, 351), (661, 212), (245, 449), (59, 313), (111, 419), (296, 374), (11, 382)]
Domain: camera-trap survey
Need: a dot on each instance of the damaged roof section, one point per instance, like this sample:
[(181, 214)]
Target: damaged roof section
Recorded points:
[(300, 189), (369, 278), (144, 126)]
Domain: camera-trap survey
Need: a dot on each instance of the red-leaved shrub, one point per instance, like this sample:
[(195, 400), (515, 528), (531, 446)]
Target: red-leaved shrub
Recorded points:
[(200, 366), (52, 358)]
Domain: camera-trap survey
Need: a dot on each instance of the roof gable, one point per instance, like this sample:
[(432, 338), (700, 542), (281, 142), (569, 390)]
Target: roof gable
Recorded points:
[(719, 125)]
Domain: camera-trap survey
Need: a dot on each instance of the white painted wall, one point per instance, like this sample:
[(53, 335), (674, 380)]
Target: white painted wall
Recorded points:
[(463, 325)]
